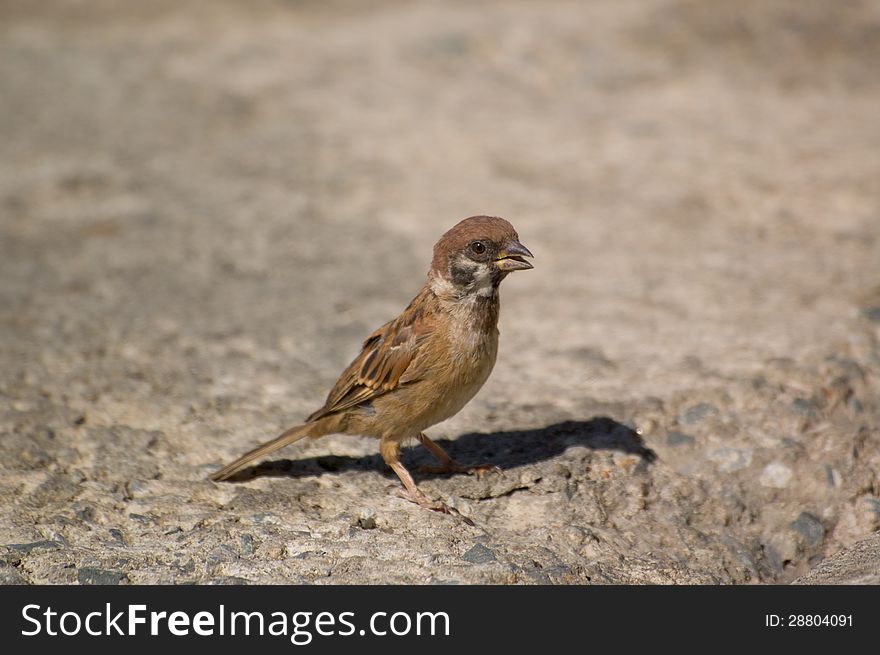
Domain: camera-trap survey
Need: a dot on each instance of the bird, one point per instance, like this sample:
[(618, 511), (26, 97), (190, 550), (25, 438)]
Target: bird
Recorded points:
[(422, 367)]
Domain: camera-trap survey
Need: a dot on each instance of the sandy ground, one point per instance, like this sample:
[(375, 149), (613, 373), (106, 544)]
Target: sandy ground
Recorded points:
[(206, 206)]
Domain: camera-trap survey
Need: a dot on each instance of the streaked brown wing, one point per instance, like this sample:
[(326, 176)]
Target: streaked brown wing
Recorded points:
[(387, 360)]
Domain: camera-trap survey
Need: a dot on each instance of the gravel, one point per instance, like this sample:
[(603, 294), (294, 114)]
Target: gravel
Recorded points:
[(205, 208)]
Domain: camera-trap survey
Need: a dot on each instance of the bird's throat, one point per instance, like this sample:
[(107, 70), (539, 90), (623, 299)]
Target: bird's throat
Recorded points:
[(475, 307)]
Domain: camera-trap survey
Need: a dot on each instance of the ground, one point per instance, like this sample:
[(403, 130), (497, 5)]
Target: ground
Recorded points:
[(206, 206)]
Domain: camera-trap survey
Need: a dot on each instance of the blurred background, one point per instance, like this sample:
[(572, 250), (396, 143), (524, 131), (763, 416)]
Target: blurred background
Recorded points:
[(205, 206)]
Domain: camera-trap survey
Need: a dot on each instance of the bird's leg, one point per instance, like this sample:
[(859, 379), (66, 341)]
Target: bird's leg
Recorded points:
[(390, 451), (449, 465)]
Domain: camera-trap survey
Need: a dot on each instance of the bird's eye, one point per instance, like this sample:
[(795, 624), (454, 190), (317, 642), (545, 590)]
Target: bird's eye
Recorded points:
[(478, 247)]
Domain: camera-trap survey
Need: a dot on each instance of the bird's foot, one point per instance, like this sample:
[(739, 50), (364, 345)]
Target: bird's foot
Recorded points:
[(423, 501), (452, 466)]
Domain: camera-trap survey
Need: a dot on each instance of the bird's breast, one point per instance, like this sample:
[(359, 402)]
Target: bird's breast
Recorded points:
[(463, 357)]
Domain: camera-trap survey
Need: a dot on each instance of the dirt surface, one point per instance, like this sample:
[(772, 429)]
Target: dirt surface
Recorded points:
[(856, 564), (206, 206)]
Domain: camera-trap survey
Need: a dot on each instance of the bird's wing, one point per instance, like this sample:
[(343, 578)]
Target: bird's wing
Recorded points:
[(388, 358)]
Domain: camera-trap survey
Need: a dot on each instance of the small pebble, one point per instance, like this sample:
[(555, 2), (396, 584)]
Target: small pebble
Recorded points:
[(776, 475), (832, 476), (246, 544), (10, 576), (805, 406), (34, 545), (366, 519), (697, 413), (218, 555), (93, 576), (872, 313), (679, 439), (479, 554), (731, 459), (810, 528)]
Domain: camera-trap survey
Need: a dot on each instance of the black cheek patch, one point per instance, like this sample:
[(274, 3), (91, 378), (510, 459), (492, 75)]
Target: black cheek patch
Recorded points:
[(462, 275)]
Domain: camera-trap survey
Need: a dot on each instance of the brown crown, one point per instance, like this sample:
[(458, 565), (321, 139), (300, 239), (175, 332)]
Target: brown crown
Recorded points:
[(456, 239)]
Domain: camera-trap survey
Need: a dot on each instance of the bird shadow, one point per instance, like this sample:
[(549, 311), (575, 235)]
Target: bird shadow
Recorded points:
[(504, 449)]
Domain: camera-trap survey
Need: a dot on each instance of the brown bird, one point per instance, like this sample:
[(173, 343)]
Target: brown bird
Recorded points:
[(426, 364)]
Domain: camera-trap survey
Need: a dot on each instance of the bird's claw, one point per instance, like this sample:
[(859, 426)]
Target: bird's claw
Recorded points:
[(424, 502)]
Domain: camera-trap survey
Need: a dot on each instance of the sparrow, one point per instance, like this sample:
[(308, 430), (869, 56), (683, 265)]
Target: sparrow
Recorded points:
[(425, 365)]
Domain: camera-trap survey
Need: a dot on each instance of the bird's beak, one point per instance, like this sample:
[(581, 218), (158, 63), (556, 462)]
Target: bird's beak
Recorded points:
[(510, 258)]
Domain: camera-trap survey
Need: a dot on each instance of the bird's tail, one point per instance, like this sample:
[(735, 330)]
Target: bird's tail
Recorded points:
[(314, 429)]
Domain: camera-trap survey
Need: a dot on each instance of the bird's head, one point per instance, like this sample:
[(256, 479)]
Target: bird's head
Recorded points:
[(476, 254)]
